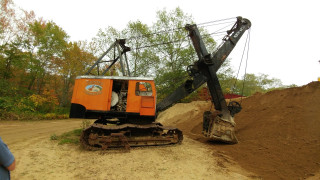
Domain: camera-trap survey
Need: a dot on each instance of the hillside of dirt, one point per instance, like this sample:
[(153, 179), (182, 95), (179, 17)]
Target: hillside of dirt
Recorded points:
[(278, 132)]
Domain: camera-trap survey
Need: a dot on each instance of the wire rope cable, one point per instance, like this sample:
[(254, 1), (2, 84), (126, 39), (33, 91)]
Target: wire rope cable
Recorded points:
[(245, 49), (205, 24), (246, 66)]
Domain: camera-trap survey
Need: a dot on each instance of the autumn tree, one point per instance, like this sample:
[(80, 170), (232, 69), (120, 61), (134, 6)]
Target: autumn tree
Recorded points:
[(7, 18), (75, 61), (13, 57), (47, 42)]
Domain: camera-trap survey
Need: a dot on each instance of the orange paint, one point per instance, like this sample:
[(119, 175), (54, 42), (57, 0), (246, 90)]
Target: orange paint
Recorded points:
[(95, 94)]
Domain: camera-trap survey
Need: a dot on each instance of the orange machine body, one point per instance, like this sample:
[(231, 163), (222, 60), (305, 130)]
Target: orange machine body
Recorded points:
[(113, 97)]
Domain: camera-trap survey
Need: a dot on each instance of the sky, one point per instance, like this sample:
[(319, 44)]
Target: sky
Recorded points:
[(284, 38)]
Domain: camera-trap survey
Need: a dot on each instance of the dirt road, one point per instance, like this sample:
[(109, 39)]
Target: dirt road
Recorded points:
[(40, 158)]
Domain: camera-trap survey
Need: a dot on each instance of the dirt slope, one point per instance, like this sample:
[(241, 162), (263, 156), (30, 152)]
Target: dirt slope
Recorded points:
[(278, 132)]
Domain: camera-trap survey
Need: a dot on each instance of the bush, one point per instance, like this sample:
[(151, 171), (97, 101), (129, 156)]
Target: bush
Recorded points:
[(53, 137), (31, 107), (71, 137), (7, 103)]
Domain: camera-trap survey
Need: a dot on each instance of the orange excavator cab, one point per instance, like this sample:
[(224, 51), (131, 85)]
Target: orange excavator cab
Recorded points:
[(111, 97)]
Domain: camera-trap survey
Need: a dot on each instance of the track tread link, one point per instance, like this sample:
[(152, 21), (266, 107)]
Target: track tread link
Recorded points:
[(100, 137)]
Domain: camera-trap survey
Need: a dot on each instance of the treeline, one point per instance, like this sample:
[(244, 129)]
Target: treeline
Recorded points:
[(38, 62), (38, 65)]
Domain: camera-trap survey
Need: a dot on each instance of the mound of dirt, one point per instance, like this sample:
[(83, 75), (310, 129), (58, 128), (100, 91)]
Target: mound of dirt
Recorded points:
[(278, 132)]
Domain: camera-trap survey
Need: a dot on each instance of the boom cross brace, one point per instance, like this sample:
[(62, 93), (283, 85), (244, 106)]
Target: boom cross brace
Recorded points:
[(220, 124)]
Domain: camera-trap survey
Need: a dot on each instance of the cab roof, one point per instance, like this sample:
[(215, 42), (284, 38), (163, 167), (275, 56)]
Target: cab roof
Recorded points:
[(116, 77)]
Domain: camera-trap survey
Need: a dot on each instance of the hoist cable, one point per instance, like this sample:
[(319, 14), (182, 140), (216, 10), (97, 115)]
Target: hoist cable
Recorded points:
[(243, 52), (245, 69), (245, 45)]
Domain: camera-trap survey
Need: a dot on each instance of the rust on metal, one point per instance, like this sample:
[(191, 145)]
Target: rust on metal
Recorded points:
[(99, 136)]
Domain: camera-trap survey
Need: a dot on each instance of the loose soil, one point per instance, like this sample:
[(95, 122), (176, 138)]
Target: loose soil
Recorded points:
[(278, 133)]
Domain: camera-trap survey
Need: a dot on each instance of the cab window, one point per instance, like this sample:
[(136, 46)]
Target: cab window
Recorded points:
[(143, 89)]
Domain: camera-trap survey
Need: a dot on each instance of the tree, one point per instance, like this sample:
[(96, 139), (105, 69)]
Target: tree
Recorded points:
[(176, 52), (75, 61), (7, 18), (47, 42), (101, 43), (13, 55), (226, 77), (252, 83), (143, 59)]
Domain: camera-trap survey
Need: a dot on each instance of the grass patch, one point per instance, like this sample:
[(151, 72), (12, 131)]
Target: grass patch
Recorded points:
[(85, 123), (71, 137), (53, 137), (26, 116)]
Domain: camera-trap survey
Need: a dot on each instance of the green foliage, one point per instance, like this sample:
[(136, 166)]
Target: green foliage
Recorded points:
[(49, 38), (143, 61), (21, 106), (176, 56), (71, 137), (251, 84), (7, 103), (53, 137), (37, 66)]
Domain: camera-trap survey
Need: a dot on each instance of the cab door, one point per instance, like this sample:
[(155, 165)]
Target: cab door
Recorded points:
[(141, 98)]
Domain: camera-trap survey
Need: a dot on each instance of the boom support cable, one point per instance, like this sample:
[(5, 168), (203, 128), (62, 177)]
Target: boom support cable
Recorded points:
[(217, 32), (245, 73), (209, 22), (205, 24), (245, 69)]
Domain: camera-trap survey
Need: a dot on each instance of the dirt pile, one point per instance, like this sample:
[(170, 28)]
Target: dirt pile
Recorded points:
[(278, 132)]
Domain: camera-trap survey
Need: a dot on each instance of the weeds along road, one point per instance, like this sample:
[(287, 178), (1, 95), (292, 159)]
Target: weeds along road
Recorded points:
[(38, 157)]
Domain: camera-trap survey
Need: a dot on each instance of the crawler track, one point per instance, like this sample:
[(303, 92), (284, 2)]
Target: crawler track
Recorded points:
[(99, 136)]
